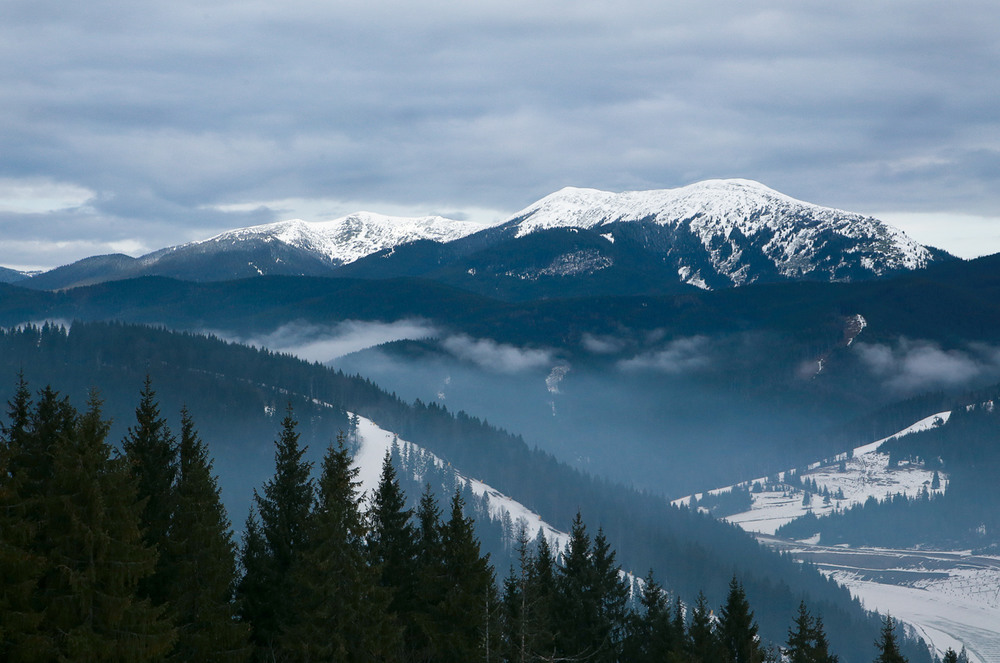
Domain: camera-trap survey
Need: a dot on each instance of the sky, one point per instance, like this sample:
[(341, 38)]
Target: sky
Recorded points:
[(127, 127)]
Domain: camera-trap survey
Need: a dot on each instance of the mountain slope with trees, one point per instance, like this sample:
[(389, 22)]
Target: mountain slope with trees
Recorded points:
[(691, 552)]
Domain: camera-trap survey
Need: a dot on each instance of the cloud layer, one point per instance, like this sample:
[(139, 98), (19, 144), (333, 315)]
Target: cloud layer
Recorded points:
[(146, 125), (323, 344), (910, 367), (497, 357)]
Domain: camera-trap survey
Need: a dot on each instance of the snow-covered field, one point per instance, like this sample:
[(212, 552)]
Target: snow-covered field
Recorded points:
[(949, 598)]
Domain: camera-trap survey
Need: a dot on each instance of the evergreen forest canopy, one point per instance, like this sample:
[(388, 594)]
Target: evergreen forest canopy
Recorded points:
[(128, 556)]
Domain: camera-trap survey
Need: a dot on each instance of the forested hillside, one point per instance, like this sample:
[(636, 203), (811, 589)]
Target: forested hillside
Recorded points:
[(239, 394), (322, 574)]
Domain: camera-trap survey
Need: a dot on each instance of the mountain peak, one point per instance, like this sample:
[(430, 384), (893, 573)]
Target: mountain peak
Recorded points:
[(344, 240), (736, 229)]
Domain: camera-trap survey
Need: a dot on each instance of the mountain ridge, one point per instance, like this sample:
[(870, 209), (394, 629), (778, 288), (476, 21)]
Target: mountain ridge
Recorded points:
[(712, 234)]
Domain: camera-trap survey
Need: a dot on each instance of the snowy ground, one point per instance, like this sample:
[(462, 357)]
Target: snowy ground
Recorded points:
[(866, 474), (376, 441), (950, 599)]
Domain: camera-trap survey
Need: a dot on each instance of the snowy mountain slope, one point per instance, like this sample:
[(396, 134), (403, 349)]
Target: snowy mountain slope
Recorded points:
[(344, 240), (865, 474), (295, 247), (376, 441), (735, 232), (712, 234)]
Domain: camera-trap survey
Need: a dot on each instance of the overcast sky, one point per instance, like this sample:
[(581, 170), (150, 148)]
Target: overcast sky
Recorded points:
[(129, 126)]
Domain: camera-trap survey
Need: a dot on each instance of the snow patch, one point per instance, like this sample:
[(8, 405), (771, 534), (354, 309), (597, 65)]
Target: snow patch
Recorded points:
[(376, 441)]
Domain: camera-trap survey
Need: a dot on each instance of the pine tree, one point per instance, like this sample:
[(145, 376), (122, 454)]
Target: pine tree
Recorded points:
[(204, 561), (737, 628), (151, 452), (270, 549), (95, 554), (950, 656), (344, 611), (887, 645)]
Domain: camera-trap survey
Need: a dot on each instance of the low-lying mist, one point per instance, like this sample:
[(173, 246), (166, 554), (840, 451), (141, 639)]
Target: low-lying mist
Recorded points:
[(670, 415)]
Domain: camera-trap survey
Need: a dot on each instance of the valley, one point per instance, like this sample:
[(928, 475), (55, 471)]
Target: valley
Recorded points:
[(948, 598)]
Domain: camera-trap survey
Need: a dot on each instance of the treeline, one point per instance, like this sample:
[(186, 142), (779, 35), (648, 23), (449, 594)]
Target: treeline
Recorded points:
[(127, 556), (237, 396)]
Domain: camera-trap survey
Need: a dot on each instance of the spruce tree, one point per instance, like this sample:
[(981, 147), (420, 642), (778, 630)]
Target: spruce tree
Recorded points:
[(578, 617), (270, 549), (344, 611), (518, 604), (391, 548), (737, 628), (95, 554), (800, 638), (651, 633), (423, 643), (151, 452), (821, 647), (52, 419), (610, 596), (702, 636), (204, 561), (807, 641), (20, 567), (544, 595), (887, 644), (460, 619)]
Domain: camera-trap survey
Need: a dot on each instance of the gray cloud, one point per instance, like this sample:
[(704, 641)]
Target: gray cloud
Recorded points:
[(165, 110), (325, 343), (497, 357), (602, 344), (679, 356), (912, 366)]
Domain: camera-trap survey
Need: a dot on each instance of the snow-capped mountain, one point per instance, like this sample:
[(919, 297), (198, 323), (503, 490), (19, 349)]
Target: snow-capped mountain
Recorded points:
[(346, 239), (713, 234), (297, 248), (734, 232)]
